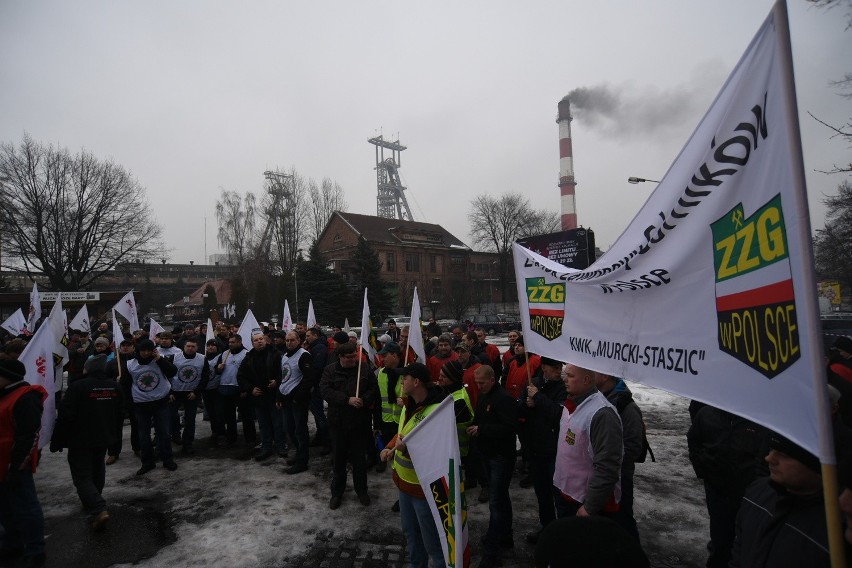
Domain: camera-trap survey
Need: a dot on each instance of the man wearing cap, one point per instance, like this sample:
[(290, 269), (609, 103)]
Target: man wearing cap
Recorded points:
[(151, 391), (21, 516), (294, 398), (350, 389), (781, 521), (421, 536), (443, 354), (189, 384), (589, 450), (390, 391), (258, 376), (541, 407), (89, 421), (495, 425)]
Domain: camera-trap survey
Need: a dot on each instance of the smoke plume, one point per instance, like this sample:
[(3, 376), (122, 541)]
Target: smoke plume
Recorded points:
[(626, 111)]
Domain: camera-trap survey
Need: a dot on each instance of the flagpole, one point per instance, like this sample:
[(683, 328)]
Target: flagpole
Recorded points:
[(808, 310), (358, 380)]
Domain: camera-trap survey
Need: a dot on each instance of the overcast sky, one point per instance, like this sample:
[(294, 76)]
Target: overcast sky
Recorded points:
[(195, 96)]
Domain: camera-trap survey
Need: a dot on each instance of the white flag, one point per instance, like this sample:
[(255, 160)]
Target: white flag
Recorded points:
[(38, 360), (434, 449), (415, 331), (210, 333), (709, 292), (59, 333), (34, 312), (312, 319), (81, 320), (346, 325), (127, 307), (117, 334), (366, 328), (287, 319), (153, 329), (248, 329), (15, 324)]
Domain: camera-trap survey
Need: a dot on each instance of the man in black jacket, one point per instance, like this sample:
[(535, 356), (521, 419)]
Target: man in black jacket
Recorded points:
[(318, 348), (350, 393), (494, 428), (541, 407), (89, 421), (298, 377), (258, 376), (116, 369)]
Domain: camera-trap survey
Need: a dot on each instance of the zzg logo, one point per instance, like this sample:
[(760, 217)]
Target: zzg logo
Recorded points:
[(755, 303), (546, 307)]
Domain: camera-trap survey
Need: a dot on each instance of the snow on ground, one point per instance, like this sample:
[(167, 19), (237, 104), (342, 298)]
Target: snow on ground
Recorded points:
[(227, 510)]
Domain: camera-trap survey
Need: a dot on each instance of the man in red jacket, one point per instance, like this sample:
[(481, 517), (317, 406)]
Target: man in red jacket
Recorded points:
[(21, 406)]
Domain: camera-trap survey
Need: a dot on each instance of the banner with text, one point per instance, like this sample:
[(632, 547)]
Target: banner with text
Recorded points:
[(709, 292)]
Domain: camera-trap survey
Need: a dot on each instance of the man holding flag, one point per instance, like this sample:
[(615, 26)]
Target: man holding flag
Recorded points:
[(421, 535)]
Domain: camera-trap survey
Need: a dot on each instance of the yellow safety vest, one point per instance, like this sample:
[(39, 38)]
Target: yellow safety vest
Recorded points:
[(402, 464), (464, 437), (390, 411)]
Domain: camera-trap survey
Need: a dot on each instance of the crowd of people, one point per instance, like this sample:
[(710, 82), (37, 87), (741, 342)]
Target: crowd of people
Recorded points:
[(572, 434)]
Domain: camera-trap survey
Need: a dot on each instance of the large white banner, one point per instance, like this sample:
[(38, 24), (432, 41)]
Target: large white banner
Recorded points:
[(37, 357), (709, 292), (434, 448)]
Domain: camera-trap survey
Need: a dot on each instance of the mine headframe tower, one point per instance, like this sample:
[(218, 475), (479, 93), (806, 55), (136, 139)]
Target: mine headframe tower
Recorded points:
[(391, 202)]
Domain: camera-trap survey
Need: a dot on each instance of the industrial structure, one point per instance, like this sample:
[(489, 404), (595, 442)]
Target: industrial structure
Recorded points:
[(391, 202), (566, 166)]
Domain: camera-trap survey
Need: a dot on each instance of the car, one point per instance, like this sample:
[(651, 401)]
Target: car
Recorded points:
[(492, 323)]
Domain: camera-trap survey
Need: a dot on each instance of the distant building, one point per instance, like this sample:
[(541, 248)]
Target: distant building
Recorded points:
[(413, 253)]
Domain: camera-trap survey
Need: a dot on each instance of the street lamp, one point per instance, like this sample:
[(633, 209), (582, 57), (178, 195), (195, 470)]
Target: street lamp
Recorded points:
[(640, 180), (296, 281)]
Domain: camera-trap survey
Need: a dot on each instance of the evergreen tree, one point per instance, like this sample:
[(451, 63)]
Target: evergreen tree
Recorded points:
[(367, 274), (328, 291), (210, 301)]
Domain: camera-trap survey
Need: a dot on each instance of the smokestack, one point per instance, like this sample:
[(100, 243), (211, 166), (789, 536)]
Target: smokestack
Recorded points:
[(566, 166)]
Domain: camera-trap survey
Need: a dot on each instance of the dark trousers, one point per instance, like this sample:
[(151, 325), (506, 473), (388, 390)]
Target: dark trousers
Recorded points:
[(230, 401), (154, 414), (190, 408), (89, 475), (499, 474), (722, 507), (348, 445), (542, 476), (296, 425), (21, 516), (115, 449), (271, 422), (624, 515), (318, 410), (214, 410)]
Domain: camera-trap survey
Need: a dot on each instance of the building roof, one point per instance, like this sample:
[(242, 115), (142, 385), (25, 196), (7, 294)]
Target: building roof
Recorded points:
[(396, 231), (223, 294)]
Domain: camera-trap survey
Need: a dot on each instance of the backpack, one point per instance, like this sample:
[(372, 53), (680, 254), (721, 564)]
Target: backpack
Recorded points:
[(620, 404)]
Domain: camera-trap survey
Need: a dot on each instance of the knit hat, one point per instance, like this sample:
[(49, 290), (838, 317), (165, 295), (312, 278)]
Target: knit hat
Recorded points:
[(145, 345), (102, 341), (453, 370), (12, 369), (390, 347), (340, 337), (352, 334), (96, 364), (462, 347), (385, 338), (781, 444), (551, 362)]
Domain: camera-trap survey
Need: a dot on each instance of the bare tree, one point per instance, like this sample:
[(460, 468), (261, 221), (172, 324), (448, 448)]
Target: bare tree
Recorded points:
[(325, 199), (497, 222), (237, 218), (70, 217)]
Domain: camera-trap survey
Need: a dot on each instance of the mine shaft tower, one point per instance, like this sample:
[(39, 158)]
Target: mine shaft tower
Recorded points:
[(391, 202)]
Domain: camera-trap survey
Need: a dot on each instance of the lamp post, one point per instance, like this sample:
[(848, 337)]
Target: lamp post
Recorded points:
[(634, 180), (296, 285)]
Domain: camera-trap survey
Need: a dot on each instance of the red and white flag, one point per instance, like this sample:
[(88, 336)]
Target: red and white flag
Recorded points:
[(153, 329), (38, 360), (81, 320), (34, 312), (287, 319), (127, 308), (16, 324)]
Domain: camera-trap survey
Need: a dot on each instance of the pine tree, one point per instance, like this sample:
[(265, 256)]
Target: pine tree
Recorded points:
[(367, 274), (331, 297)]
